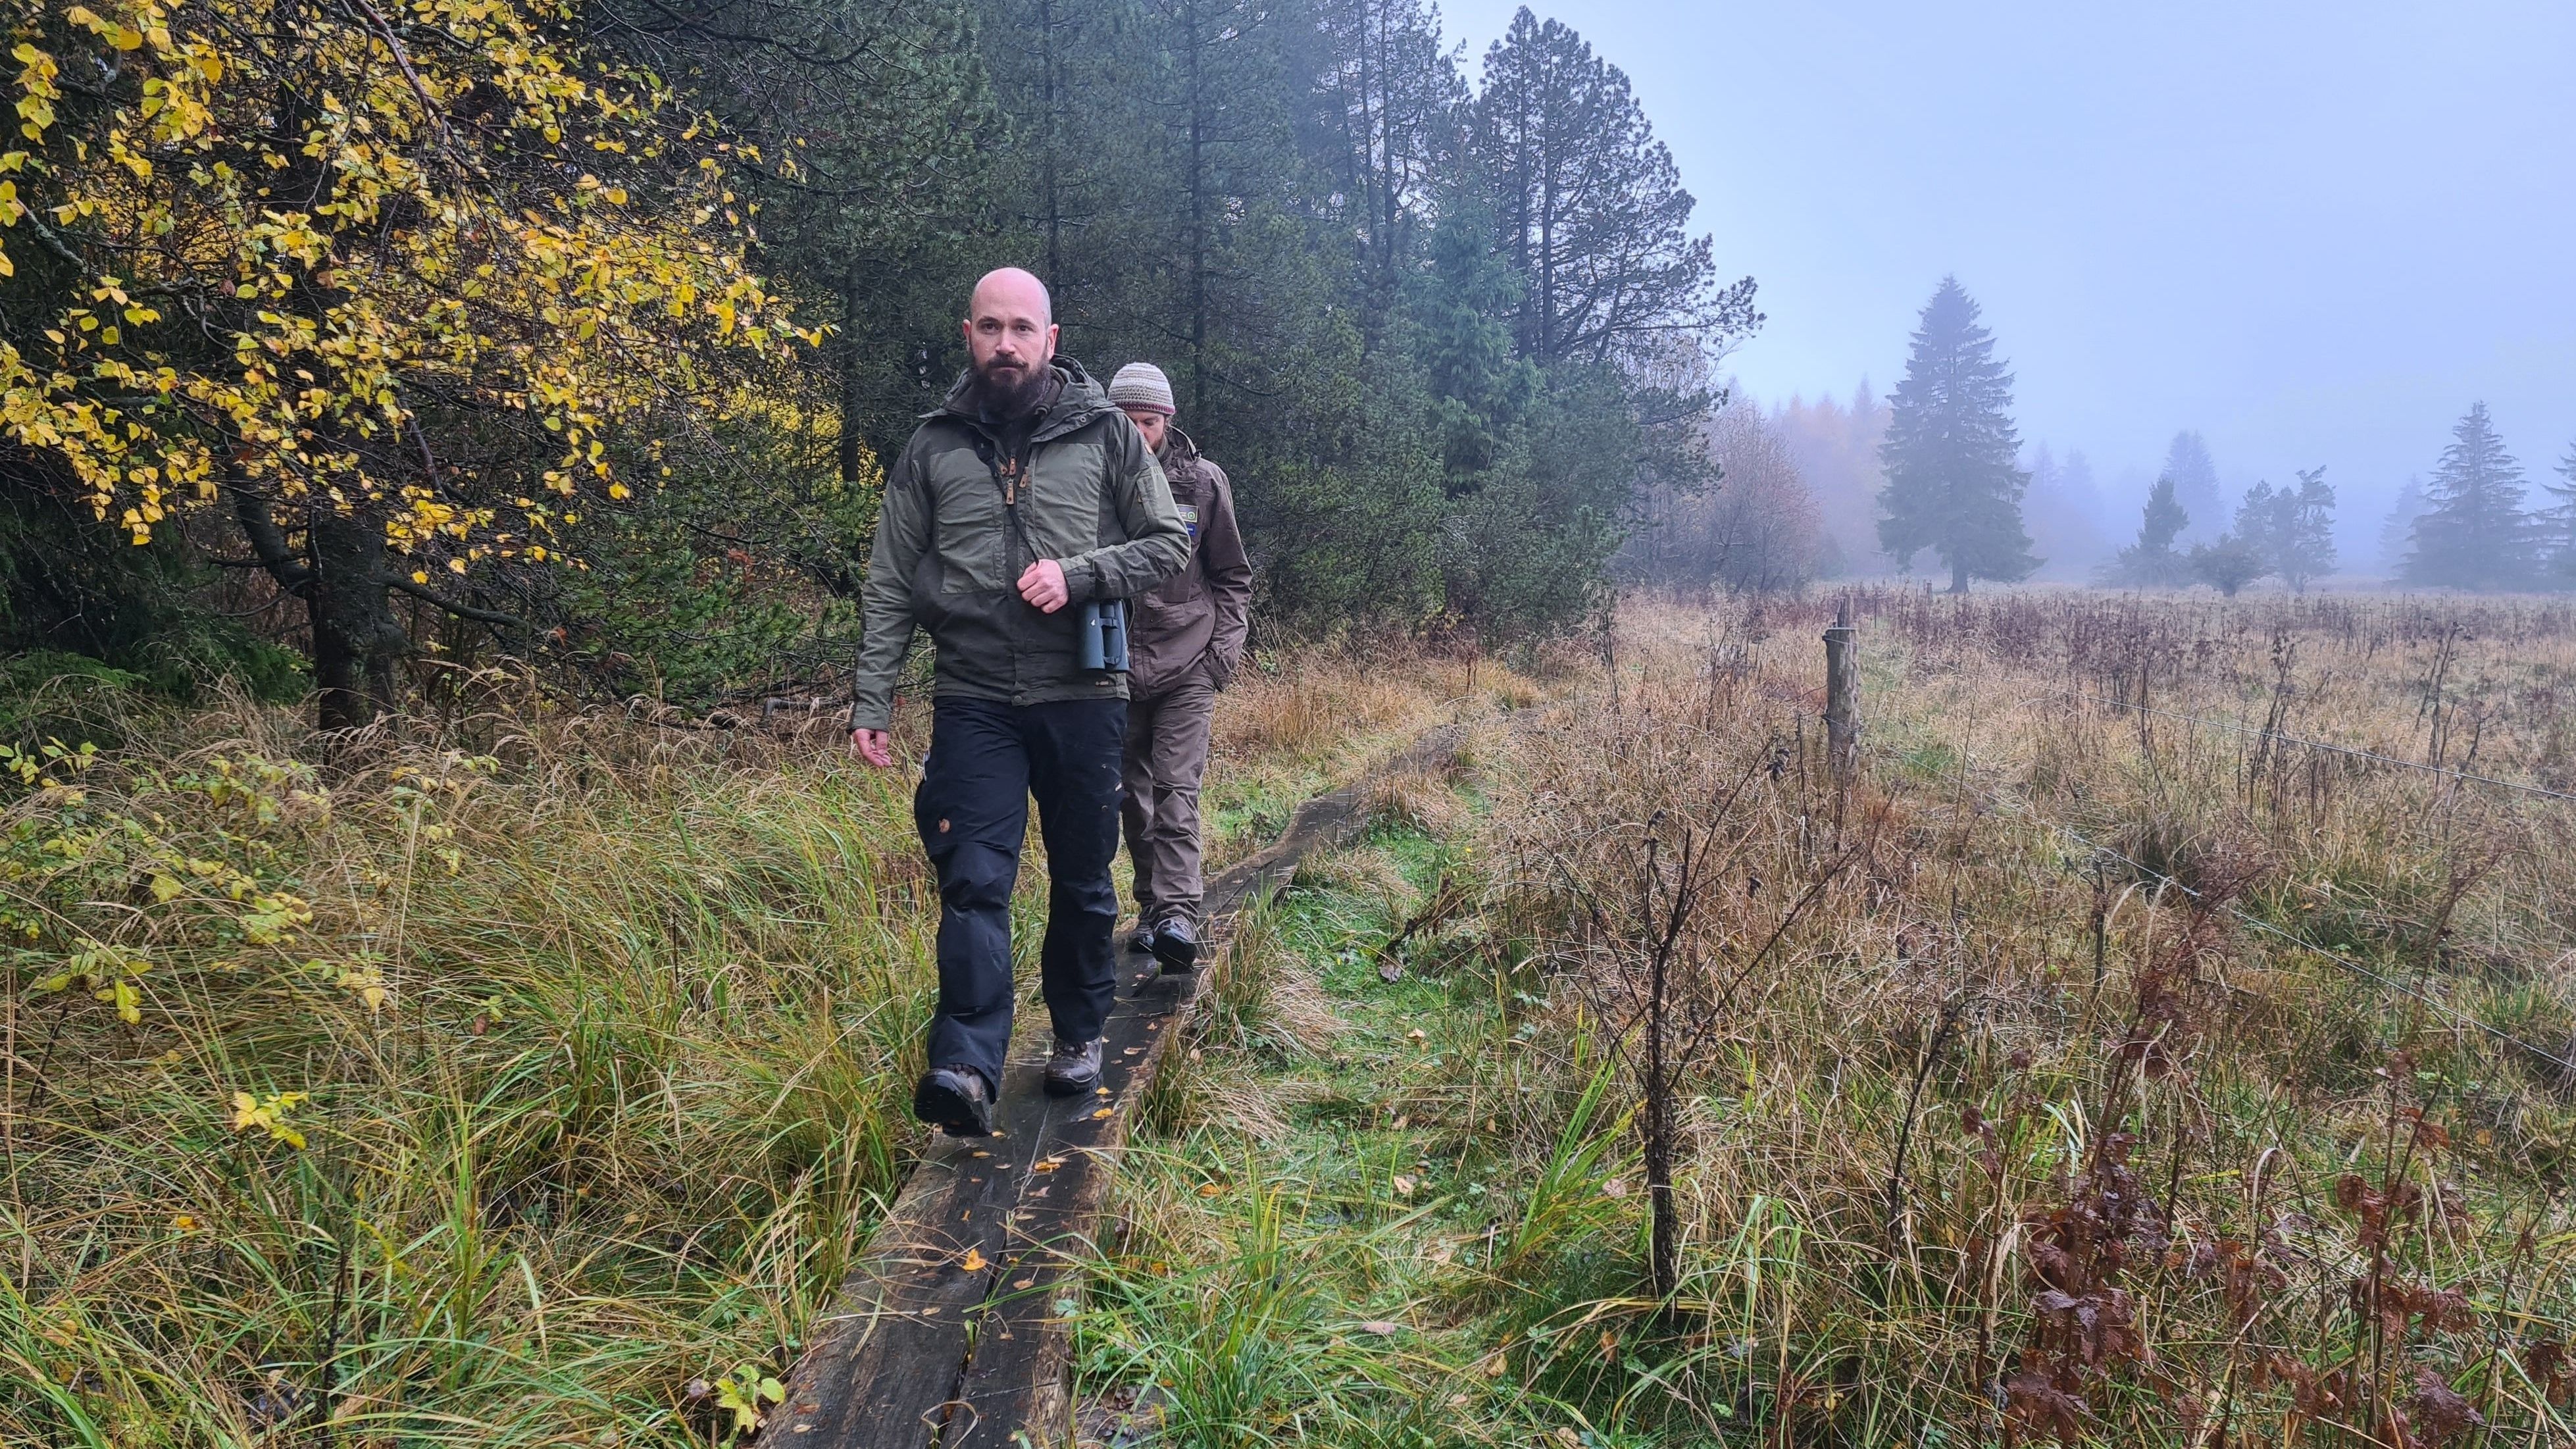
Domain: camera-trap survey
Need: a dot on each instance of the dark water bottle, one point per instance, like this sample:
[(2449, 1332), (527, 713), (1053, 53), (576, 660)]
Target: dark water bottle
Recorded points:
[(1104, 634)]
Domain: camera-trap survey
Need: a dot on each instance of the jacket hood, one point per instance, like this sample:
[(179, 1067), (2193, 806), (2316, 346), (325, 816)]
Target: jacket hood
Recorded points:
[(1078, 398)]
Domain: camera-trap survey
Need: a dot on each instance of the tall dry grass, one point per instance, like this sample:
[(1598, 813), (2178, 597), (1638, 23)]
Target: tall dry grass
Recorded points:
[(508, 1098), (2168, 1176), (530, 1083)]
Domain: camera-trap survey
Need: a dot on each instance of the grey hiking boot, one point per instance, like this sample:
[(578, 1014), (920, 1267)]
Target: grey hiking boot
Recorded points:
[(956, 1100), (1073, 1068), (1176, 944)]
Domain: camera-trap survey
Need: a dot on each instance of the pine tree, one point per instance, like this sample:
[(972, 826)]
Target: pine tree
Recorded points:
[(1386, 124), (1590, 207), (2289, 531), (2228, 563), (2259, 522), (2302, 542), (2152, 562), (1952, 482), (2475, 534), (1058, 67), (2195, 480)]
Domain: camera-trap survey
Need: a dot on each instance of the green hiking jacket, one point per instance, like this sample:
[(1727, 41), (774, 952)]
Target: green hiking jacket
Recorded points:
[(948, 559)]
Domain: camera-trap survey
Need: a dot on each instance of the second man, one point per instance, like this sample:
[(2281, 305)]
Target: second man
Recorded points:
[(1185, 643)]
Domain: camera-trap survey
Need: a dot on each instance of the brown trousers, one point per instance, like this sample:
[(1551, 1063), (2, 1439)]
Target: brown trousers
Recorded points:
[(1167, 752)]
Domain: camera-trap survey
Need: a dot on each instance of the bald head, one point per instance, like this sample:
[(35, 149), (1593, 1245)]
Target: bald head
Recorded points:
[(1010, 338), (1009, 290)]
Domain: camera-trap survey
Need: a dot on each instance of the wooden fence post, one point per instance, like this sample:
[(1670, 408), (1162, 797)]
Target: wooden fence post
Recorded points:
[(1842, 693)]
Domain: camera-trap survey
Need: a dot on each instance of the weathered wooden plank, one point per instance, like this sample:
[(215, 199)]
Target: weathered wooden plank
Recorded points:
[(1016, 1383), (880, 1370), (922, 1352)]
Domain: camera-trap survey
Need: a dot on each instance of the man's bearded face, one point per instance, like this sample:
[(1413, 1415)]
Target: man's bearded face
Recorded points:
[(1009, 341), (1006, 387)]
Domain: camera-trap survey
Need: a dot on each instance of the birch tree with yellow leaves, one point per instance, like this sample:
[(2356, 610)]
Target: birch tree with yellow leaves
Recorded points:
[(379, 297)]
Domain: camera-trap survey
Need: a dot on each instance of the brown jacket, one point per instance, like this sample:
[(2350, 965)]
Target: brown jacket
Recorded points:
[(1197, 616)]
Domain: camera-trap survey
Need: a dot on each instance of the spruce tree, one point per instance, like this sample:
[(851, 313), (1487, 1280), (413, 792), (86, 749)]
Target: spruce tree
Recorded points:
[(2558, 525), (2152, 561), (1953, 484), (2474, 534), (2195, 480), (2397, 530), (1462, 340)]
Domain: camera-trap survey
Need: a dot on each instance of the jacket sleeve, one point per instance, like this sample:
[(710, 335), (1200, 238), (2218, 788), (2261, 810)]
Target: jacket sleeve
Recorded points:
[(885, 600), (1157, 544), (1229, 575)]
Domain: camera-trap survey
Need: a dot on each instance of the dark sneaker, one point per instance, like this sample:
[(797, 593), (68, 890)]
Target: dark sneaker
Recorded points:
[(956, 1100), (1176, 944), (1143, 941), (1073, 1069)]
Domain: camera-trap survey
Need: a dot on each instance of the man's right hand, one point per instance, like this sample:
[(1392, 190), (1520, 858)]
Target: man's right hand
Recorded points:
[(874, 746)]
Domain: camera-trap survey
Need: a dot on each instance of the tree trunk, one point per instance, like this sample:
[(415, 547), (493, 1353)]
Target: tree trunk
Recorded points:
[(851, 453), (1958, 576), (357, 643), (1050, 142), (1198, 219)]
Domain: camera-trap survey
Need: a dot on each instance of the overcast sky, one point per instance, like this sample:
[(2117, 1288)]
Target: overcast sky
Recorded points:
[(2315, 230)]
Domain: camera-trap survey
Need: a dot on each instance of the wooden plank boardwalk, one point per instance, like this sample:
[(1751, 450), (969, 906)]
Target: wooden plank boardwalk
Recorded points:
[(945, 1336)]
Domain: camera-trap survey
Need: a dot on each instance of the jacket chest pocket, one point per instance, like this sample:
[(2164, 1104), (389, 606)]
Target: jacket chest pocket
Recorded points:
[(967, 525), (1062, 504)]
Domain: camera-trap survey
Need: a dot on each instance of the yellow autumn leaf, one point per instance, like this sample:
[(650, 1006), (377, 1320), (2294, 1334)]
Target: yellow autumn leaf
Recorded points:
[(129, 1001), (974, 1261)]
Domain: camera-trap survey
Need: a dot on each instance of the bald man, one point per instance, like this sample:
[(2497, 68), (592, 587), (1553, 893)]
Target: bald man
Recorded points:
[(1023, 497)]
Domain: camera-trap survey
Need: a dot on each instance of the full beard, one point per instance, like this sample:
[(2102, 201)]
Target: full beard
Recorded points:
[(1008, 393)]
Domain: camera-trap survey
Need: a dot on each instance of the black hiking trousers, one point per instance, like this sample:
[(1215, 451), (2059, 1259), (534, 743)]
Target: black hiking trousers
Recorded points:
[(986, 760)]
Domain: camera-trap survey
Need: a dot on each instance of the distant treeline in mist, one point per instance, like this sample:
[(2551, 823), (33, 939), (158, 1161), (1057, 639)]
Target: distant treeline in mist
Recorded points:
[(1937, 470)]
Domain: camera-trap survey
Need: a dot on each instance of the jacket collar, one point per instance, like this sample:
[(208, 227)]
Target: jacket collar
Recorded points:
[(1178, 447), (1078, 400)]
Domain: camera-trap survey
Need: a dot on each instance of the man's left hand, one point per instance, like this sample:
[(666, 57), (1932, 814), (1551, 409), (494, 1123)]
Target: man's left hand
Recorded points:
[(1044, 587)]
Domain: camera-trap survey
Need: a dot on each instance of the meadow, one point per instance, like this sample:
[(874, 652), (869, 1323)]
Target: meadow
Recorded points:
[(2100, 1059), (2092, 1066)]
